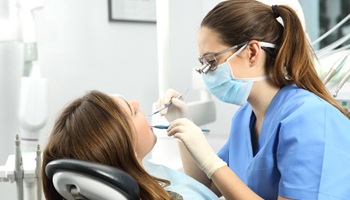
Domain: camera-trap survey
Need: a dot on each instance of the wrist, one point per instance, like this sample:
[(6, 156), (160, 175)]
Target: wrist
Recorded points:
[(211, 164)]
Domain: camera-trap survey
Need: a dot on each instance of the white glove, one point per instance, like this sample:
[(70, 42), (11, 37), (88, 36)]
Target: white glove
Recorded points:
[(178, 109), (196, 143)]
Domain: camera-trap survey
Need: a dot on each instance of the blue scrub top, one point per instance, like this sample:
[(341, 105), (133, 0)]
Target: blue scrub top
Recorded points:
[(303, 151)]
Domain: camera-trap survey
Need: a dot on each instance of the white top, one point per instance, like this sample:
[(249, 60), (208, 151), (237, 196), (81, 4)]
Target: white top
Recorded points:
[(182, 184)]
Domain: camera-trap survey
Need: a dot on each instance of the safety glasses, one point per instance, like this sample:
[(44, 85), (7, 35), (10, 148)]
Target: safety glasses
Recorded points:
[(209, 61)]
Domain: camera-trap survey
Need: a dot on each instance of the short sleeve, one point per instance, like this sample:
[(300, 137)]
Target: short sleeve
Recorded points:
[(300, 151)]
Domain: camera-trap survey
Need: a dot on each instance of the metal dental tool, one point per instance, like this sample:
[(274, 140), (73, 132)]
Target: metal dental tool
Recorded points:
[(168, 104), (335, 68), (331, 30), (166, 127), (326, 50), (341, 83), (19, 172)]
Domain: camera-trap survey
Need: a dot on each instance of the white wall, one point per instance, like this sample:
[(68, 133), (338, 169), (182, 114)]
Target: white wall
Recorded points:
[(80, 50)]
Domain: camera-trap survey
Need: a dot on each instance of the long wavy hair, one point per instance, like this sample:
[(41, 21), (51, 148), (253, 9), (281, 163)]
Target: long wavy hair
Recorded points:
[(95, 128), (292, 62)]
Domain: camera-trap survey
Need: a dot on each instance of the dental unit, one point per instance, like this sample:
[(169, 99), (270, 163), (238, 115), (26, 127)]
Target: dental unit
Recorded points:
[(18, 51), (341, 83), (328, 49), (336, 55), (24, 168), (335, 68)]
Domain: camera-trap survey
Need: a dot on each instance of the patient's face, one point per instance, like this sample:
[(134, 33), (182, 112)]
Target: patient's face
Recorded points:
[(145, 137)]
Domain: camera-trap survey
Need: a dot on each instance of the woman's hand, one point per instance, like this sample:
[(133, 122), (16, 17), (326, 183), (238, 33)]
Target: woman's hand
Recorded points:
[(178, 108)]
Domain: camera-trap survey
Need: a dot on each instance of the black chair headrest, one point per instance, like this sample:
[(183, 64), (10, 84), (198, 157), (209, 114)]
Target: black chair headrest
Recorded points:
[(116, 178)]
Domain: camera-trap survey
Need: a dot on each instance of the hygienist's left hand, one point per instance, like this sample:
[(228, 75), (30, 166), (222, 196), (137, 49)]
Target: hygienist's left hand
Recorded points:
[(196, 143)]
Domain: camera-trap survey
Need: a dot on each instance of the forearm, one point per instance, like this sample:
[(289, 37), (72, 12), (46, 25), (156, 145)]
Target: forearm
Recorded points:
[(190, 166), (231, 186), (223, 182)]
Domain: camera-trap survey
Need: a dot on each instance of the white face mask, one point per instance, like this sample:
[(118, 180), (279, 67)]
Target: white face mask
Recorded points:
[(224, 86)]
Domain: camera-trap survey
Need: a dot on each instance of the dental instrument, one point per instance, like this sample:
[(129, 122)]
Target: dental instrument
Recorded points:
[(23, 168), (341, 83), (335, 68), (38, 173), (166, 127), (331, 30), (326, 50), (165, 106), (340, 49), (19, 172), (168, 104)]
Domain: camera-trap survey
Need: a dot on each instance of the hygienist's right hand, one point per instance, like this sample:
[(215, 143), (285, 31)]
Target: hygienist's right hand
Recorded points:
[(178, 109)]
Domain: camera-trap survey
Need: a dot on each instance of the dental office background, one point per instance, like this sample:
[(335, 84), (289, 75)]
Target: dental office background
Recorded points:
[(79, 49)]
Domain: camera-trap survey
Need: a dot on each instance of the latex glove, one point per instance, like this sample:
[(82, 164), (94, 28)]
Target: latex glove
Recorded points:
[(178, 109), (196, 143)]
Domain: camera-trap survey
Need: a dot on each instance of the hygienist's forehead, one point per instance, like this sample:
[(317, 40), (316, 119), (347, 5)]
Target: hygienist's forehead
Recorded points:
[(122, 102)]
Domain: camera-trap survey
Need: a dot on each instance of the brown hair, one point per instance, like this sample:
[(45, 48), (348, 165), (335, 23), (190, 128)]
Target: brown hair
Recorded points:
[(291, 62), (95, 128)]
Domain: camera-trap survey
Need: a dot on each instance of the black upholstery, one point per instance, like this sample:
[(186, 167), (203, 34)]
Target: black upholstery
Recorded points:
[(114, 177)]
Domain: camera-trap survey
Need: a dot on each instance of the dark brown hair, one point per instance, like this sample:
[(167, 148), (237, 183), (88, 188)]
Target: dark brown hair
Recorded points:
[(291, 62), (95, 128)]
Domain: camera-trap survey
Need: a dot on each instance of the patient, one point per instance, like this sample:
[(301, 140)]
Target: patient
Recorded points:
[(109, 130)]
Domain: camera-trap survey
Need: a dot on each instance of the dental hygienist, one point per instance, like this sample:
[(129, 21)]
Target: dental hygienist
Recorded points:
[(290, 139)]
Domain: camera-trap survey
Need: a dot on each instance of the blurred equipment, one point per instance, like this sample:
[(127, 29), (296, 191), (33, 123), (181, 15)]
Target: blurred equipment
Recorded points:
[(334, 63), (24, 101), (24, 169)]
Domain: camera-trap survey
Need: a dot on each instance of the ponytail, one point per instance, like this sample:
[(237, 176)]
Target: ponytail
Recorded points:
[(294, 61)]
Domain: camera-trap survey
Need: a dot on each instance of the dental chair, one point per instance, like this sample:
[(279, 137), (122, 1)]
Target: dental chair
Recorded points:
[(77, 179)]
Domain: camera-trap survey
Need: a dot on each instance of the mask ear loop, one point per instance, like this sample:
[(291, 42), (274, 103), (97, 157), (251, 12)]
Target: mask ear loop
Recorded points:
[(262, 44), (236, 53), (233, 55)]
